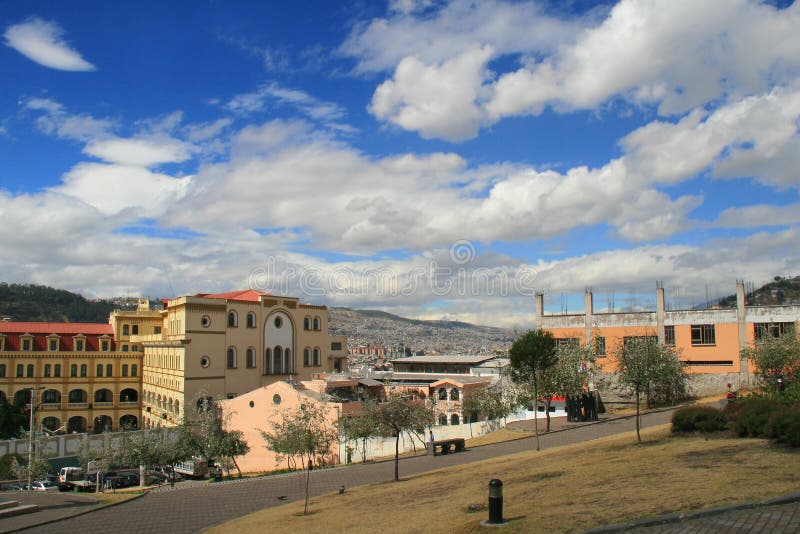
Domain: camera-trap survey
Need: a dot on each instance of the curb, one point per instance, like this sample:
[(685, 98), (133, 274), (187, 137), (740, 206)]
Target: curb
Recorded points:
[(84, 512), (677, 517)]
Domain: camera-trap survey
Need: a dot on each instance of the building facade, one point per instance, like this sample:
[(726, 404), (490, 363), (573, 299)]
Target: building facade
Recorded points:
[(145, 366), (709, 341)]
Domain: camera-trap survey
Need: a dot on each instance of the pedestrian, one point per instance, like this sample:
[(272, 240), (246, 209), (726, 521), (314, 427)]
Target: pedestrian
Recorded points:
[(430, 438)]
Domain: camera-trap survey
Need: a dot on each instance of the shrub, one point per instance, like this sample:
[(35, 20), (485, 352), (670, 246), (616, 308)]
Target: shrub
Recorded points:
[(784, 426), (753, 416), (699, 419)]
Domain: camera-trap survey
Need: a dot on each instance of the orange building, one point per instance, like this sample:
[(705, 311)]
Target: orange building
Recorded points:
[(709, 341)]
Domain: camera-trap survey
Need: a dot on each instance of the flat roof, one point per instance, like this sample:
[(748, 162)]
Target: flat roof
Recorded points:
[(453, 358)]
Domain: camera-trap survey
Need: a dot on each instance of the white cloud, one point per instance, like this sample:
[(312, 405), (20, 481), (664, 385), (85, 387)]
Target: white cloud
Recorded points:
[(758, 216), (144, 152), (57, 121), (42, 41), (438, 101)]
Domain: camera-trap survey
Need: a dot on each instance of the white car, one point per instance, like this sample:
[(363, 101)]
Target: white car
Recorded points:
[(43, 485)]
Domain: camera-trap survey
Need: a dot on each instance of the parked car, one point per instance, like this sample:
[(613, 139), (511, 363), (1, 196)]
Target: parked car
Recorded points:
[(131, 479), (44, 485)]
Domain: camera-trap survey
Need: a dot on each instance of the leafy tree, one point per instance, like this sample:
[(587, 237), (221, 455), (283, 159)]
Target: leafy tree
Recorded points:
[(775, 357), (532, 355), (13, 419), (207, 436), (8, 463), (359, 426), (492, 401), (644, 365), (571, 371), (158, 447), (398, 414)]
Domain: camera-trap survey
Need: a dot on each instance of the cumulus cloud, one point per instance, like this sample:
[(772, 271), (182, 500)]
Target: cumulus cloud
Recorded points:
[(759, 215), (43, 42), (144, 152)]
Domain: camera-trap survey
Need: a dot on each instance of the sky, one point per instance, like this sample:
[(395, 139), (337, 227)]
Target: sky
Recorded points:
[(434, 159)]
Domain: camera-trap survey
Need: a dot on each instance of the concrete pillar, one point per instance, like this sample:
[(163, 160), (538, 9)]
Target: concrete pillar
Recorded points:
[(741, 321), (539, 310), (660, 312), (588, 311)]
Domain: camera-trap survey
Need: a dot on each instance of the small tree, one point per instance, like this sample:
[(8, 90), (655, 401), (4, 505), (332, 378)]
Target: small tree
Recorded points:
[(644, 365), (359, 427), (491, 401), (398, 414), (303, 432), (158, 447), (775, 357), (532, 355), (208, 438), (571, 371)]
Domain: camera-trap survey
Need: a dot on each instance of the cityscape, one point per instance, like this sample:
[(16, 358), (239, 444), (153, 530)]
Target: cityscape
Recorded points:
[(443, 266)]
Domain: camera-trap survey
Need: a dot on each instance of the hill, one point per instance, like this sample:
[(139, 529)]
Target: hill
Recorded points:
[(29, 302), (382, 329), (777, 292)]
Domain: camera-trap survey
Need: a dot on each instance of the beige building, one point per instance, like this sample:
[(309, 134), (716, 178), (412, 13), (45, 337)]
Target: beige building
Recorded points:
[(144, 366)]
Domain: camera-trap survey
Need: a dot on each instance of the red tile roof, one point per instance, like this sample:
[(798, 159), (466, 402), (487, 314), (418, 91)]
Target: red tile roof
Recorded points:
[(247, 295), (55, 328)]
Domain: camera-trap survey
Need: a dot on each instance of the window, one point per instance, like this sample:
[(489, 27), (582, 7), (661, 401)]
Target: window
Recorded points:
[(454, 419), (124, 369), (712, 363), (233, 319), (454, 394), (30, 370), (124, 348), (669, 335), (47, 370), (84, 369), (336, 345), (251, 320), (307, 323), (442, 394), (2, 370), (57, 370), (26, 344), (317, 323), (20, 370), (703, 334), (79, 345), (99, 370), (231, 358), (109, 369), (205, 321), (205, 361), (278, 322), (104, 345), (156, 329), (765, 330), (442, 419), (133, 369), (52, 345), (567, 341), (135, 330), (73, 370), (126, 330), (251, 358), (135, 348), (600, 345), (307, 357), (317, 358)]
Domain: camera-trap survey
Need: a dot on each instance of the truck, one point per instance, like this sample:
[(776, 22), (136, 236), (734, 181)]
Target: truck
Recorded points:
[(72, 478)]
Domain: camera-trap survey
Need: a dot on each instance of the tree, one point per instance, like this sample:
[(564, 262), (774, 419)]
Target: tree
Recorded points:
[(491, 401), (570, 373), (13, 419), (303, 432), (208, 438), (532, 355), (359, 427), (644, 366), (775, 357), (158, 447), (401, 413)]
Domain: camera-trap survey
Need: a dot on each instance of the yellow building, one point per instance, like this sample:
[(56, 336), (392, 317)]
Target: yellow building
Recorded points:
[(142, 368)]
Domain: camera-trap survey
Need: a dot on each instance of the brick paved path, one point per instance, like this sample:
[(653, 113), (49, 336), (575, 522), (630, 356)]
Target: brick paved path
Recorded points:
[(191, 509)]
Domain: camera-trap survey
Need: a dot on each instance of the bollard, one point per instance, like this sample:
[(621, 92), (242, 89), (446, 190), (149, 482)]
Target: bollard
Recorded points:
[(495, 502)]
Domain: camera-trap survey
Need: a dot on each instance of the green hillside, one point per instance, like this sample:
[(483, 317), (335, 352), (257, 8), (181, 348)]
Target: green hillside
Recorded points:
[(781, 290), (28, 302)]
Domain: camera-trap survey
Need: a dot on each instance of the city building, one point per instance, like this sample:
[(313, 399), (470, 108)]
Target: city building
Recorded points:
[(709, 341), (144, 366)]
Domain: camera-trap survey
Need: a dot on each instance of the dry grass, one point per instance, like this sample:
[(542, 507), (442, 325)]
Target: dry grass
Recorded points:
[(568, 489)]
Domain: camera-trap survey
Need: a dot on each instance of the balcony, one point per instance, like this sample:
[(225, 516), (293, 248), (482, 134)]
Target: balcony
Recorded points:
[(129, 404), (50, 406), (103, 404), (78, 405)]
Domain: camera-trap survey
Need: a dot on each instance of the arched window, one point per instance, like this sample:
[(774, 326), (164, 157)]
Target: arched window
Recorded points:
[(177, 407), (128, 422), (454, 420), (103, 395), (128, 395), (317, 357), (30, 370), (277, 358), (76, 424), (454, 395), (307, 323), (251, 358), (287, 361), (442, 419), (307, 357), (77, 396), (442, 394), (251, 320), (51, 396), (317, 323), (267, 360), (125, 330), (133, 369), (51, 423), (233, 319), (231, 358)]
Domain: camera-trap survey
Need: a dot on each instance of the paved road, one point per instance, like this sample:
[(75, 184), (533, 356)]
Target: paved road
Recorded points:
[(191, 509)]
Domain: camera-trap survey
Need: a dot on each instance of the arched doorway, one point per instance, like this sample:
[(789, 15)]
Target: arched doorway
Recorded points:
[(76, 424), (51, 423), (128, 422), (102, 423)]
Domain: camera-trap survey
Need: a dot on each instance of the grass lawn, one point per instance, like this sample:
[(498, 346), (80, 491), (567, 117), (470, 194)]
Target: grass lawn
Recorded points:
[(571, 488)]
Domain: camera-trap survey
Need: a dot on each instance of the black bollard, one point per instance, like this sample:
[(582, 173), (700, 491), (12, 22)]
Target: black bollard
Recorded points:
[(495, 502)]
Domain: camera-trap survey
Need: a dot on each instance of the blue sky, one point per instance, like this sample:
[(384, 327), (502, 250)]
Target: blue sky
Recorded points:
[(434, 159)]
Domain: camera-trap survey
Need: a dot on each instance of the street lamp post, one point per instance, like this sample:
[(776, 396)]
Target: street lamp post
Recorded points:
[(30, 436)]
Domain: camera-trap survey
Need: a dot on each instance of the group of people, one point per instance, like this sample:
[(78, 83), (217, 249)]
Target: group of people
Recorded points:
[(583, 406)]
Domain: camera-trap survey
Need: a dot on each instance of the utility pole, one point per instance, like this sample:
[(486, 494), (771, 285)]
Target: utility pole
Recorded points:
[(30, 437)]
